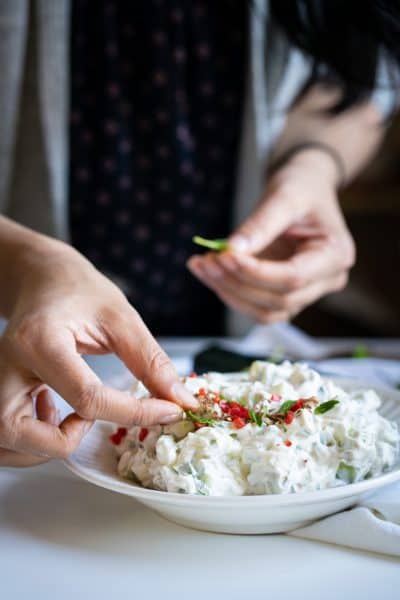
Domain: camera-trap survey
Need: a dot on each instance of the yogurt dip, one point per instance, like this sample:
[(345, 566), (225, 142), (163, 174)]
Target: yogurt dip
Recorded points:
[(274, 429)]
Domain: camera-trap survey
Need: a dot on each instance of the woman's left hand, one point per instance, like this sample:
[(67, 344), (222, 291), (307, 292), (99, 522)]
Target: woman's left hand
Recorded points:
[(292, 250)]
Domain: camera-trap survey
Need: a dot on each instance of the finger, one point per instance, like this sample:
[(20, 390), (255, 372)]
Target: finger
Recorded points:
[(45, 408), (313, 260), (32, 436), (276, 276), (54, 359), (251, 302), (133, 343), (296, 301), (228, 282), (318, 259), (229, 295), (8, 458), (71, 377), (260, 315), (273, 216), (21, 432)]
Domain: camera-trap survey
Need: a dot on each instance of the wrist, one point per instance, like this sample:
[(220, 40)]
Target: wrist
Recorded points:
[(317, 157), (317, 161)]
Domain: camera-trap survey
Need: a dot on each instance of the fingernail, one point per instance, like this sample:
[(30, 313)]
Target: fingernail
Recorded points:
[(239, 243), (195, 268), (183, 396), (193, 265), (171, 418), (192, 261)]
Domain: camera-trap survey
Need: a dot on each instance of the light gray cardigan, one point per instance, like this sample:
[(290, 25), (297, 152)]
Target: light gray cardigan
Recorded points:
[(34, 71)]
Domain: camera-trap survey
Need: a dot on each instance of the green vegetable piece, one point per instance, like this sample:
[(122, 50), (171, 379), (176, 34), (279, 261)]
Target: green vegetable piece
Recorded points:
[(397, 386), (325, 406), (217, 245), (286, 406), (277, 355), (199, 419), (255, 417), (346, 472), (361, 351)]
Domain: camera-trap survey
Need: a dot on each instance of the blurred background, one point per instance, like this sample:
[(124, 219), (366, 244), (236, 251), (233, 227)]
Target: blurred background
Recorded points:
[(370, 305)]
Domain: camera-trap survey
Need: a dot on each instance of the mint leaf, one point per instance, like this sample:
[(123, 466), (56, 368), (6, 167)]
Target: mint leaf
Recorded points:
[(286, 406), (325, 406), (217, 245), (198, 419)]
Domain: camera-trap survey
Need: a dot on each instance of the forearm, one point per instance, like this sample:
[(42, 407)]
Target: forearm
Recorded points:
[(354, 134), (19, 248)]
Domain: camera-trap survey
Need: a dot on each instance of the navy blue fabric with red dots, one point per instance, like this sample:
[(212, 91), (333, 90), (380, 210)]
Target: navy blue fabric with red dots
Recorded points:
[(157, 91)]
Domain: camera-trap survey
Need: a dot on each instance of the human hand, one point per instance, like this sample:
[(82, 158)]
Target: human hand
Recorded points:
[(64, 308), (292, 250)]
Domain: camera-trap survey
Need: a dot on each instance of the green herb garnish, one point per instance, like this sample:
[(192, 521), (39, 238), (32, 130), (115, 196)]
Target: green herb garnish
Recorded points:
[(255, 417), (217, 245), (198, 419), (361, 351), (325, 406), (346, 472), (286, 406)]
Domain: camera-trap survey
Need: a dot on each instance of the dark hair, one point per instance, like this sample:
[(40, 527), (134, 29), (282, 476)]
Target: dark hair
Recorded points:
[(346, 39)]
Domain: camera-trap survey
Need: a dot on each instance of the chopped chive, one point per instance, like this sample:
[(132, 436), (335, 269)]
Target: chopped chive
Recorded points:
[(198, 419), (361, 351), (217, 245), (255, 417), (346, 472)]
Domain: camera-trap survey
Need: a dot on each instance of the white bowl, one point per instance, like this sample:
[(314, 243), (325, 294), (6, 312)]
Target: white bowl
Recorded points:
[(95, 461)]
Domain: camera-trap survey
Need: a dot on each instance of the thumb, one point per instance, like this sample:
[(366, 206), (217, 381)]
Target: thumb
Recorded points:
[(269, 220)]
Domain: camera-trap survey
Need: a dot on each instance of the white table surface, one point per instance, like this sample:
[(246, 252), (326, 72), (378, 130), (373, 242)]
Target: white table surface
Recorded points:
[(62, 538)]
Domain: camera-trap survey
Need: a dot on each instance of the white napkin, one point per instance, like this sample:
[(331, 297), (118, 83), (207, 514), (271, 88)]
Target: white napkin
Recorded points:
[(374, 524)]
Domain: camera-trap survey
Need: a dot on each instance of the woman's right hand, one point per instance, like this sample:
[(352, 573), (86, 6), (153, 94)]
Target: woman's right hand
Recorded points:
[(63, 308)]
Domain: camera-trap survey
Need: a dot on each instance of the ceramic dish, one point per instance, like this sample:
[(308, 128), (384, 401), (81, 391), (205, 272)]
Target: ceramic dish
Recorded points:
[(96, 462)]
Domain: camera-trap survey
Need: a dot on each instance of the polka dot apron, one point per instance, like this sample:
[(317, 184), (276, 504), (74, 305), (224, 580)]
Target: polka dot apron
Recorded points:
[(157, 91)]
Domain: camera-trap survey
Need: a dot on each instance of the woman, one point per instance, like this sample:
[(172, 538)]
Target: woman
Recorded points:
[(157, 92)]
